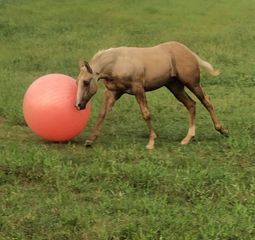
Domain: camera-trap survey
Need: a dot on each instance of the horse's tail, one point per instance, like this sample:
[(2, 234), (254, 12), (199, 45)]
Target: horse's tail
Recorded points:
[(207, 66)]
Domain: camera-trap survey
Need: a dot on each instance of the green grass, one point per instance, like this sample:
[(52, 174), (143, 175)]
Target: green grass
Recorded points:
[(118, 190)]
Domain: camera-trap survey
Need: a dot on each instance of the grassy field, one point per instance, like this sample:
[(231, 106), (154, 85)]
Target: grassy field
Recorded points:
[(118, 190)]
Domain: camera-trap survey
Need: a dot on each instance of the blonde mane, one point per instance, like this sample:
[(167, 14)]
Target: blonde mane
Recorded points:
[(99, 53)]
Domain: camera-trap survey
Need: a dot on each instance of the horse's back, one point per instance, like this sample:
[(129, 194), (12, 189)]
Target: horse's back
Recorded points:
[(157, 56), (149, 63), (152, 65)]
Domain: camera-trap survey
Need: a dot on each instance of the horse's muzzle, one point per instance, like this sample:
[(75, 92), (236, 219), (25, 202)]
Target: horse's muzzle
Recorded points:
[(81, 106)]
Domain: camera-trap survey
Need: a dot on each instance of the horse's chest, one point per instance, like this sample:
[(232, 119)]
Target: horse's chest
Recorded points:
[(117, 86)]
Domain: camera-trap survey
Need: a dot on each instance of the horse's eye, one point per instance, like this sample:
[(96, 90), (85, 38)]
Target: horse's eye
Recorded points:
[(86, 82)]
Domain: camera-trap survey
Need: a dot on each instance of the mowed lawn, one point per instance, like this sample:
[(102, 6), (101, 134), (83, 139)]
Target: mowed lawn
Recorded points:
[(119, 190)]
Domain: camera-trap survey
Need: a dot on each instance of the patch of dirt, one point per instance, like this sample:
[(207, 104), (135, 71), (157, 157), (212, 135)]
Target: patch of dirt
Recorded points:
[(2, 120), (11, 132)]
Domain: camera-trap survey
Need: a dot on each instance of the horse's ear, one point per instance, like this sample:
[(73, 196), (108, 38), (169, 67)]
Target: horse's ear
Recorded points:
[(84, 64), (81, 63)]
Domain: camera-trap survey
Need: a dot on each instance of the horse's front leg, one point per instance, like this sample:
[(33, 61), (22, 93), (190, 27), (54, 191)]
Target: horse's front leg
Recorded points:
[(109, 100), (142, 101)]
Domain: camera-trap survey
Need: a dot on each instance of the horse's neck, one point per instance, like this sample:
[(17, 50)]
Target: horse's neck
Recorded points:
[(96, 66), (101, 60)]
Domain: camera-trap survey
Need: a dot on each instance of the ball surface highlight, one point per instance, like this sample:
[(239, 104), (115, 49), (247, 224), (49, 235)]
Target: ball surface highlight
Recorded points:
[(49, 108)]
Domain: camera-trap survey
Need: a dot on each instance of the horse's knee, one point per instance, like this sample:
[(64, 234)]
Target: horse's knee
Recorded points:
[(146, 115), (207, 98), (192, 105), (209, 107), (206, 102), (102, 115)]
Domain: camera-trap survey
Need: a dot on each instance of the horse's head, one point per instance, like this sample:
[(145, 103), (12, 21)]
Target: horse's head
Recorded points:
[(87, 85)]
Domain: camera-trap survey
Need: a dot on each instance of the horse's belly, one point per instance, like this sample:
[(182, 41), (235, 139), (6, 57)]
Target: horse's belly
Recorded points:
[(154, 85), (157, 73), (154, 82)]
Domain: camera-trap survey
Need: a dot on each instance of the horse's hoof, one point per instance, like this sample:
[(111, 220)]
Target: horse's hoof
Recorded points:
[(224, 132), (186, 140), (150, 147), (88, 143)]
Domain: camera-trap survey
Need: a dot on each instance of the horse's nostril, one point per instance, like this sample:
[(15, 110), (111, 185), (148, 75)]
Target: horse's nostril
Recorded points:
[(82, 105)]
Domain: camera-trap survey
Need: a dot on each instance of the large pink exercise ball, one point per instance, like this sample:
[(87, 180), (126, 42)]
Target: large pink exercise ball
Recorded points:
[(49, 108)]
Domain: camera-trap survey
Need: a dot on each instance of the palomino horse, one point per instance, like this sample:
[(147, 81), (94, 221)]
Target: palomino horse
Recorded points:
[(137, 70)]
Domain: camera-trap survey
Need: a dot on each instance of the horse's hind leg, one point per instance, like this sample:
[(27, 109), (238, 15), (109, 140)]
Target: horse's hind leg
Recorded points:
[(177, 88), (205, 100)]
